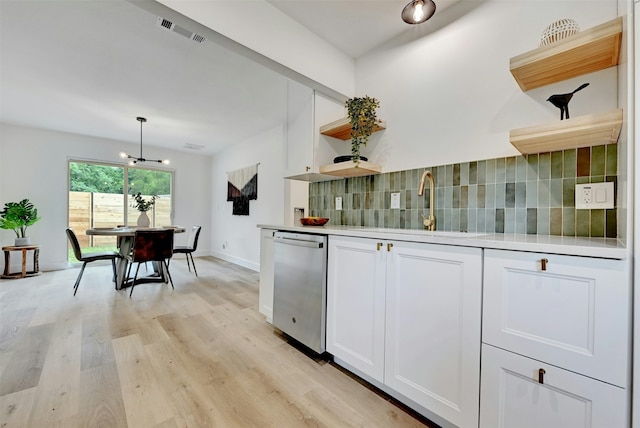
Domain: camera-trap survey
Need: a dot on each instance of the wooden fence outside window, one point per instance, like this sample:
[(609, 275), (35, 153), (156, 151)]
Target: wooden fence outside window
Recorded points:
[(88, 210)]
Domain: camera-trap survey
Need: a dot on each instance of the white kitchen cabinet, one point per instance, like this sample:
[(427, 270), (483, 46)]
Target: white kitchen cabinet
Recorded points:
[(408, 315), (265, 299), (573, 313), (513, 397), (432, 338), (299, 130), (556, 341), (306, 111), (356, 304)]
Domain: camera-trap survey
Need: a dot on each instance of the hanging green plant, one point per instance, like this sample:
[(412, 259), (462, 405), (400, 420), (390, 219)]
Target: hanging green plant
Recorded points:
[(363, 118)]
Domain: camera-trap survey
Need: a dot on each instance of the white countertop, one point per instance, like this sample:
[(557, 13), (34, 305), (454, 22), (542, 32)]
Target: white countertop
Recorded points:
[(609, 248)]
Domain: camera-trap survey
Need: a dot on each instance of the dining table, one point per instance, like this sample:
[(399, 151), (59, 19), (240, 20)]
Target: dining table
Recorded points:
[(127, 234)]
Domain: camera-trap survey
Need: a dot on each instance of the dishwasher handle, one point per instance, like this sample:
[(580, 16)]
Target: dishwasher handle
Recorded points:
[(298, 242)]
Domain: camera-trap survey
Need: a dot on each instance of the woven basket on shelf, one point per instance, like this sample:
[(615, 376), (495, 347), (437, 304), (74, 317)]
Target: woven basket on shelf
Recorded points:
[(559, 30)]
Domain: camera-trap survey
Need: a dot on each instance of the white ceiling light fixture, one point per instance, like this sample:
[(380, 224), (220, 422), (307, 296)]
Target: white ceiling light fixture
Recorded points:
[(134, 160), (418, 11)]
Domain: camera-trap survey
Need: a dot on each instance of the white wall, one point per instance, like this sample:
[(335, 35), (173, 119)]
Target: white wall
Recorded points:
[(1, 197), (33, 165), (634, 205), (446, 91), (625, 194), (261, 27), (445, 88), (240, 235)]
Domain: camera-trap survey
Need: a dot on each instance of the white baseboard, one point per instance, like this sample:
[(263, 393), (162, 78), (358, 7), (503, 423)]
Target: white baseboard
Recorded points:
[(237, 260), (49, 267)]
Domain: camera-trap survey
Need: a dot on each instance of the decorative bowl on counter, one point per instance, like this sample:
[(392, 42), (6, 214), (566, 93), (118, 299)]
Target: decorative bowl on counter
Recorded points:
[(314, 221)]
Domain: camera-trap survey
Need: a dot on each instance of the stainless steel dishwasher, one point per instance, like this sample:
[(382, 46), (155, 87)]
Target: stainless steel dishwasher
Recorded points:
[(300, 287)]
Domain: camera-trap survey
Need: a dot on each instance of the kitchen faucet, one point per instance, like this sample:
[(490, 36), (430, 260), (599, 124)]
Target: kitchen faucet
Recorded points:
[(429, 222)]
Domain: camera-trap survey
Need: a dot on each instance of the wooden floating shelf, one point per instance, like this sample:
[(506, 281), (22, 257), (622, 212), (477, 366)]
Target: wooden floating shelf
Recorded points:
[(585, 52), (348, 169), (341, 128), (583, 131)]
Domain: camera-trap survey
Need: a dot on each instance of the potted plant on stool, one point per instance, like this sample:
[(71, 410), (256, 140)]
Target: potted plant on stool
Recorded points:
[(17, 216)]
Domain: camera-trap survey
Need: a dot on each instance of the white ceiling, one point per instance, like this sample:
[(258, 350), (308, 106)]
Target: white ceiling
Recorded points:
[(354, 26), (92, 67)]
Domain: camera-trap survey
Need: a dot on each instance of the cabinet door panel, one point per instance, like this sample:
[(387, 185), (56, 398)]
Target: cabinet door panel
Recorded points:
[(299, 132), (433, 328), (266, 273), (574, 314), (511, 395), (355, 304)]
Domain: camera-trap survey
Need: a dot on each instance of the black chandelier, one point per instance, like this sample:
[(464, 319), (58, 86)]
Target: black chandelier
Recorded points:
[(134, 160)]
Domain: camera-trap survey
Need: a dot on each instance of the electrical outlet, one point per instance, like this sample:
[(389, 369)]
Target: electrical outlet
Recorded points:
[(338, 203), (594, 195), (395, 201)]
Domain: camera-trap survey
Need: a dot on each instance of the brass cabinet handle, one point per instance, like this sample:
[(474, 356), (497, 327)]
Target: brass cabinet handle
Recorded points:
[(389, 246), (541, 373), (543, 264), (308, 168), (379, 245)]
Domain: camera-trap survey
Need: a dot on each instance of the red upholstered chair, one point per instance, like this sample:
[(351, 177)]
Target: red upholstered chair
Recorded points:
[(151, 246)]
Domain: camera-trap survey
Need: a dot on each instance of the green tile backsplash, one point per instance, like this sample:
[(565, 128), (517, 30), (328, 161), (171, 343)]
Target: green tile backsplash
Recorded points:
[(530, 194)]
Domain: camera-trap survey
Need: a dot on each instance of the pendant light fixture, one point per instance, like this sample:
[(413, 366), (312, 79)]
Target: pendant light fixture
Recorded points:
[(418, 11), (134, 160)]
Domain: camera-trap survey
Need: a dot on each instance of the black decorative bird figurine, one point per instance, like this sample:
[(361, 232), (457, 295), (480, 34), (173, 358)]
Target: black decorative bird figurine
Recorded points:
[(562, 101)]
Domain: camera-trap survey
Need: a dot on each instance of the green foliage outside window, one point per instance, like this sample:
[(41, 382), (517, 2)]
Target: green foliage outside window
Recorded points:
[(148, 182), (86, 177)]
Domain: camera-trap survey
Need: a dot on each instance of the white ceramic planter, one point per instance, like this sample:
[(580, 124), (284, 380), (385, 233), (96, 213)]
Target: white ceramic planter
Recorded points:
[(143, 220), (22, 242)]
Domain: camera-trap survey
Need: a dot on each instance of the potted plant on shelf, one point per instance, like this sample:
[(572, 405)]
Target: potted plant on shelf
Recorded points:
[(17, 216), (363, 118), (143, 205)]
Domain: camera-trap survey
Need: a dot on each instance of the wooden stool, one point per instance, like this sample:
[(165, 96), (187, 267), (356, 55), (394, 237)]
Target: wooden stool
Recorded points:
[(36, 263)]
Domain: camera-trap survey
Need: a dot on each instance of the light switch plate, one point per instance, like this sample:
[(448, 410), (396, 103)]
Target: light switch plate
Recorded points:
[(594, 195), (395, 201), (338, 203)]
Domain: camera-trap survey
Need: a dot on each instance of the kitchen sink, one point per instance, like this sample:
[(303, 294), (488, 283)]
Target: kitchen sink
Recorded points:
[(420, 232)]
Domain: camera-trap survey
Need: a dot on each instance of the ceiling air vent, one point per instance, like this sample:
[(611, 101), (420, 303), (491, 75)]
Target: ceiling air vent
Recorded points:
[(171, 26), (193, 146), (165, 23)]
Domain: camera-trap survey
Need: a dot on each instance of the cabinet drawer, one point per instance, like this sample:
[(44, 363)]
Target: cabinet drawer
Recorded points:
[(512, 397), (575, 314)]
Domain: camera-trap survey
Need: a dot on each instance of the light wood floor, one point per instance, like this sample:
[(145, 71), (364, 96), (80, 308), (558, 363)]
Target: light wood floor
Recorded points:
[(197, 356)]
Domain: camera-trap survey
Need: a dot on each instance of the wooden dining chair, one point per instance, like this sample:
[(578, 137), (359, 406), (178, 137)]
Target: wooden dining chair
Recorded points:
[(192, 245), (151, 246), (89, 257)]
